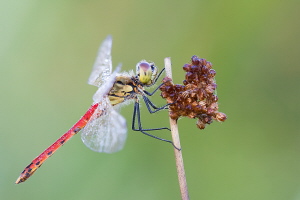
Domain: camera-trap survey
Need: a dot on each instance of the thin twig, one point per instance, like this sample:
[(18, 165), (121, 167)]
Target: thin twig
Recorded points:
[(175, 136)]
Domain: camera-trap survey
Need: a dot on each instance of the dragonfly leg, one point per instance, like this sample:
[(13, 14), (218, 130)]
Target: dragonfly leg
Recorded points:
[(147, 100), (155, 80), (151, 93), (136, 113), (149, 103)]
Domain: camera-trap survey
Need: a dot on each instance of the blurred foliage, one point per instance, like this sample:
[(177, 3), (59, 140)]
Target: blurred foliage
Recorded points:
[(47, 52)]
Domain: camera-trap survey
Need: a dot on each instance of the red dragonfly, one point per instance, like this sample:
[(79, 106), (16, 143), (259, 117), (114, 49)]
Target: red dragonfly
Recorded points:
[(103, 128)]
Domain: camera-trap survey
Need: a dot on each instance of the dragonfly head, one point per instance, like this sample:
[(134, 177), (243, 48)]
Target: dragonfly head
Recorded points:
[(147, 72)]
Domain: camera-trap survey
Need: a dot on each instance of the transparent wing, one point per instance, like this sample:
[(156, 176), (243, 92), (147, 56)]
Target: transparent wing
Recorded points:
[(104, 89), (106, 131), (103, 65)]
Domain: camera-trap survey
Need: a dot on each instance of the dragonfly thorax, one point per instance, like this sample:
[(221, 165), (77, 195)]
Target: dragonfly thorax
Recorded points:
[(128, 87), (146, 72), (124, 88)]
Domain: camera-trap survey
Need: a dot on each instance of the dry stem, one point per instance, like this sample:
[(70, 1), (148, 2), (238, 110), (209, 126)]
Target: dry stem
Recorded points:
[(176, 141)]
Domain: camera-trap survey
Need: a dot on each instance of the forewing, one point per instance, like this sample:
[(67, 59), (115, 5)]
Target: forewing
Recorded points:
[(104, 89), (103, 64), (107, 131)]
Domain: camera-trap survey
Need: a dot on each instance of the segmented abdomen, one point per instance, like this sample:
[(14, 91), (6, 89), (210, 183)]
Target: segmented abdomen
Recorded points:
[(38, 161)]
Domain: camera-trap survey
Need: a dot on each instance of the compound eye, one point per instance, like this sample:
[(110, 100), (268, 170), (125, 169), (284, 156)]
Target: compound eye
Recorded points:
[(144, 66), (152, 67)]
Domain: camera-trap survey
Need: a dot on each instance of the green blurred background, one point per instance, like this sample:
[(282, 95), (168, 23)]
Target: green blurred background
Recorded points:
[(47, 51)]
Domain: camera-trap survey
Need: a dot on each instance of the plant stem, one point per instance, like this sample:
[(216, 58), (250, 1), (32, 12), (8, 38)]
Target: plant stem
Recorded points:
[(176, 141)]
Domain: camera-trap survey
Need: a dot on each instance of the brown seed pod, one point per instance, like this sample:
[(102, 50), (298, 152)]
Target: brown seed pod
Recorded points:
[(196, 98)]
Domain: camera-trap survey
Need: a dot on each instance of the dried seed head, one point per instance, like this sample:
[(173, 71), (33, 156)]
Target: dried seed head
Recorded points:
[(200, 124), (187, 67), (196, 98), (221, 117)]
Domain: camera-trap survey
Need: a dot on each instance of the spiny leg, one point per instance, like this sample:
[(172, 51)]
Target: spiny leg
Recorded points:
[(136, 111), (151, 93), (147, 100), (155, 80), (149, 103)]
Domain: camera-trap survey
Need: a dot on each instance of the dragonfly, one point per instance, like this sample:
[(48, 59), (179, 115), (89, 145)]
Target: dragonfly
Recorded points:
[(102, 128)]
